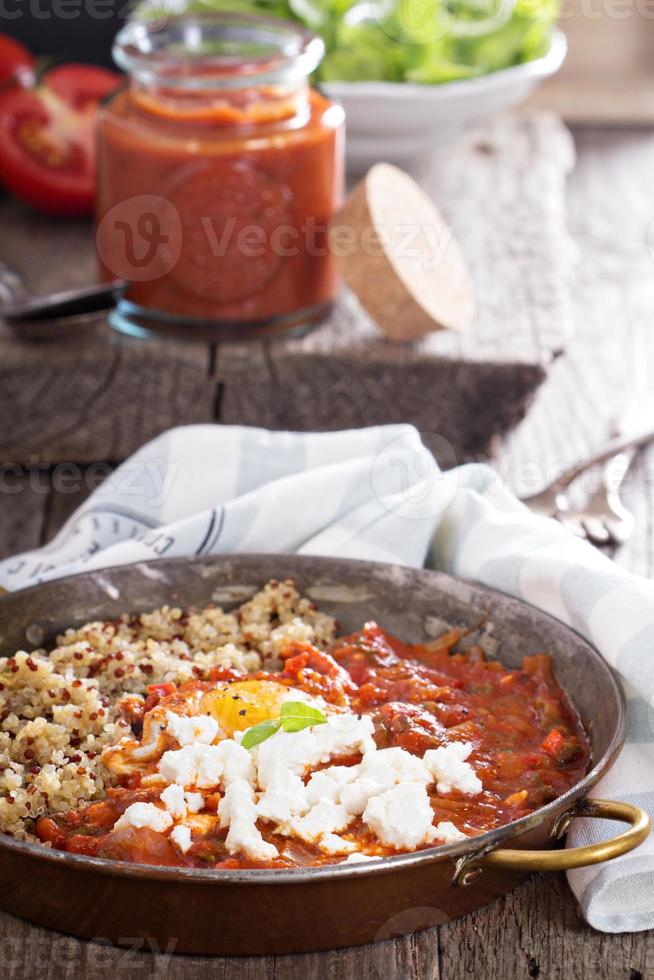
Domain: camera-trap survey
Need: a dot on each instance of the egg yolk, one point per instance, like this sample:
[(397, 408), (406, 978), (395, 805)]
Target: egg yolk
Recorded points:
[(243, 704)]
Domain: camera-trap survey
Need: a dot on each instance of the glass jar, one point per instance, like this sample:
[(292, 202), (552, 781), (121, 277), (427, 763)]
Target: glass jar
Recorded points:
[(219, 168)]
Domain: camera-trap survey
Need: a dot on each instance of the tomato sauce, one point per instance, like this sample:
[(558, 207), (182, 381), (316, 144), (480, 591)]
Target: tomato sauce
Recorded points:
[(215, 206), (529, 746)]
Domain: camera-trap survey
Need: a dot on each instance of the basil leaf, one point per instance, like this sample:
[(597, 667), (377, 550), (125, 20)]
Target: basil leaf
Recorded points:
[(297, 715), (259, 733)]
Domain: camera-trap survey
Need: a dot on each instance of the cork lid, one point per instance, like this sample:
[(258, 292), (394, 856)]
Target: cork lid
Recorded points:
[(400, 257)]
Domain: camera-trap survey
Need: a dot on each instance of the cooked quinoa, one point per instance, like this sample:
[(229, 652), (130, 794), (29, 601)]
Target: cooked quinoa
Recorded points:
[(58, 710)]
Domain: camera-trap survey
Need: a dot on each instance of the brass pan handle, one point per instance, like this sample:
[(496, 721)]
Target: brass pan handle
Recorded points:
[(579, 857)]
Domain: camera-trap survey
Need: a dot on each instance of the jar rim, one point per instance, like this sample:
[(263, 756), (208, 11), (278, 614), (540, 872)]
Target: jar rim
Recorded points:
[(216, 50)]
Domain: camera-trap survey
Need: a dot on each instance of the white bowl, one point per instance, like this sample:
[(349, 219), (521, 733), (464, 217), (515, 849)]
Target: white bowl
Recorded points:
[(396, 121)]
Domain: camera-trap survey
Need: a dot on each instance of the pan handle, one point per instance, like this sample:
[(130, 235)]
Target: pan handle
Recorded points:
[(579, 857)]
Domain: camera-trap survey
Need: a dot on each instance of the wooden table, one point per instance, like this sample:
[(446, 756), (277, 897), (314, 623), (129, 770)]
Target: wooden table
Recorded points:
[(535, 932)]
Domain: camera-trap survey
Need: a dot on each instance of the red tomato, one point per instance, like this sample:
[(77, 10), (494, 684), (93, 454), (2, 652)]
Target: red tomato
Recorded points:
[(16, 62), (47, 150), (81, 85)]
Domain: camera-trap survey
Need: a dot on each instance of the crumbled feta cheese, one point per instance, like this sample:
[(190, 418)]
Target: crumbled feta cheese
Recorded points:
[(295, 751), (333, 844), (298, 751), (354, 786), (145, 815), (193, 765), (239, 795), (238, 811), (343, 734), (450, 770), (370, 782), (387, 788), (194, 802), (174, 800), (197, 728), (205, 766), (407, 767), (285, 796), (402, 816), (357, 857), (181, 836), (325, 817), (328, 784), (236, 762), (447, 833)]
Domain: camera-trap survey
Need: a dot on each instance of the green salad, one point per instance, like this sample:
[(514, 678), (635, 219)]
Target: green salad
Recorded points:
[(426, 41)]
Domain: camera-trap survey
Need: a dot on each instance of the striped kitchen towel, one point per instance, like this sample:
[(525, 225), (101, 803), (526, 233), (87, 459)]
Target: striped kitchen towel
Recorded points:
[(377, 494)]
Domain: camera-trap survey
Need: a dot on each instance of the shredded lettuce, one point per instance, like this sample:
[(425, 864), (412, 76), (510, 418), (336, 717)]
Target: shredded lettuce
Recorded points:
[(424, 41)]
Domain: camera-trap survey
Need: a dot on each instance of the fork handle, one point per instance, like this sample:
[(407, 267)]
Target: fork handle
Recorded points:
[(618, 445)]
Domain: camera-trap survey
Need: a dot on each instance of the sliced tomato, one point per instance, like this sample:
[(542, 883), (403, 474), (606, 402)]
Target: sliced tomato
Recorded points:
[(47, 151), (16, 62), (81, 85)]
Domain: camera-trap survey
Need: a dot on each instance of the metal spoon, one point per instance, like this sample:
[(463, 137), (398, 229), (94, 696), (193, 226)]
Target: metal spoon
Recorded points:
[(19, 307)]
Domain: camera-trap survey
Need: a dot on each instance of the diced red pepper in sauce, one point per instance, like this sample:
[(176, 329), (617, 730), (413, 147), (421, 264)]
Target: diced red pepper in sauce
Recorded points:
[(528, 744), (155, 693), (552, 744)]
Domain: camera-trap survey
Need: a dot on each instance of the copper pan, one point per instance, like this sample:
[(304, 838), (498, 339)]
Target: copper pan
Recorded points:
[(259, 912)]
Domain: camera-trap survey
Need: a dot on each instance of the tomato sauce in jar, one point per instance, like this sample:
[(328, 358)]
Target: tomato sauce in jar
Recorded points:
[(219, 168)]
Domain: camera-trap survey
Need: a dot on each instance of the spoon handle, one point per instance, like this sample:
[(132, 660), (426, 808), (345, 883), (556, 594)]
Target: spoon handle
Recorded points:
[(72, 302)]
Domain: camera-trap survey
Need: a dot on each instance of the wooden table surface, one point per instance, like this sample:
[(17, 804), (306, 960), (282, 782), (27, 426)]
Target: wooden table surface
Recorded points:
[(536, 931)]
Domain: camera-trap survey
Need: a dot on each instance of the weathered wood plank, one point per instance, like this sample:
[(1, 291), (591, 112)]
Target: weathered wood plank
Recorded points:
[(457, 401), (28, 951), (611, 360), (69, 489), (537, 932), (23, 503), (83, 400)]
